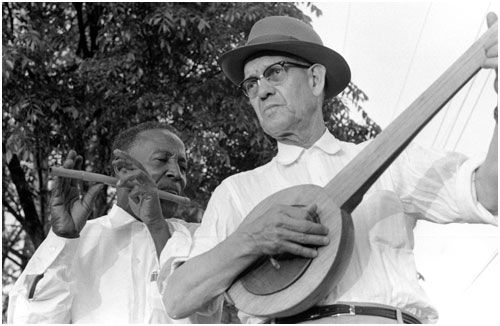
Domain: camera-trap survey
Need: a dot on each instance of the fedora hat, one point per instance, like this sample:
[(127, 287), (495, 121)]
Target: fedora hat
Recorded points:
[(289, 36)]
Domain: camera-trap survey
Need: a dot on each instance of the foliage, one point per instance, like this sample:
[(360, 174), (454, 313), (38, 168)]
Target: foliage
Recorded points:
[(75, 74)]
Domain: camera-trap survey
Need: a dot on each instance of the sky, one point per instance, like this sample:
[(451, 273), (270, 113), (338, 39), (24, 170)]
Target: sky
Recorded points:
[(395, 51)]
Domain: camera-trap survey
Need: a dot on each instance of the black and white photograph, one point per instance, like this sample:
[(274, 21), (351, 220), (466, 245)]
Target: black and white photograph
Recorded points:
[(250, 162)]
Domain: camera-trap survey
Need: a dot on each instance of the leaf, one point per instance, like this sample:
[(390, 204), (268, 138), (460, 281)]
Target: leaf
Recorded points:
[(54, 107)]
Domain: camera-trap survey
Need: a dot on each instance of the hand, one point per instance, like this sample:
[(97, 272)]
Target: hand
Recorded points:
[(143, 191), (69, 212), (283, 229), (491, 49)]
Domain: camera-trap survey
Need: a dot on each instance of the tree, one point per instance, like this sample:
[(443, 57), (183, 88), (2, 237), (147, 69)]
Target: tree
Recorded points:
[(76, 74)]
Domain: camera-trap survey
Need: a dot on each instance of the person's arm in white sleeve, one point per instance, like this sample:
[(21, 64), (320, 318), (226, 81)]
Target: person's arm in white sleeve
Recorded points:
[(486, 178), (175, 252), (205, 276), (43, 293), (438, 186)]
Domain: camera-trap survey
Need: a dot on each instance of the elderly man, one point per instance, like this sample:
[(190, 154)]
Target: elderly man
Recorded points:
[(111, 269), (286, 73)]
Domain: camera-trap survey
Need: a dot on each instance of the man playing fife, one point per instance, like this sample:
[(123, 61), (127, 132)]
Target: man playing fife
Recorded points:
[(287, 73), (111, 269)]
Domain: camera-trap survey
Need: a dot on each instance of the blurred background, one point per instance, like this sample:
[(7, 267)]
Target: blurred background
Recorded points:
[(75, 74)]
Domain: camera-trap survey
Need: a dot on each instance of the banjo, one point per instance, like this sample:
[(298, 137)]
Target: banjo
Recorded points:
[(287, 285)]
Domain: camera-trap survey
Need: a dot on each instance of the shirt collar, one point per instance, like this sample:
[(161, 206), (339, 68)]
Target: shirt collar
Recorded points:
[(118, 217), (287, 154)]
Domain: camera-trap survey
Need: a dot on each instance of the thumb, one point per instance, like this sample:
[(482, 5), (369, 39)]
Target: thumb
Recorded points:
[(491, 18)]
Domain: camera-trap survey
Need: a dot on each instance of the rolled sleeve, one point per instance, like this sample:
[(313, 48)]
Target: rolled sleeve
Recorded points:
[(42, 294), (467, 199)]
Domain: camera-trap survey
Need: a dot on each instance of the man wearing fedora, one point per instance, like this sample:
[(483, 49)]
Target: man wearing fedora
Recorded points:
[(287, 73)]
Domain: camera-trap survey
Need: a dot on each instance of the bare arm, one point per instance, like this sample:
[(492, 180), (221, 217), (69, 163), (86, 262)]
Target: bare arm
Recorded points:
[(487, 173), (487, 177), (204, 277)]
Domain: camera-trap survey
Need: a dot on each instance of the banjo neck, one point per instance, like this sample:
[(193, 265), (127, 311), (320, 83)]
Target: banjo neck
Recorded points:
[(300, 283), (349, 185)]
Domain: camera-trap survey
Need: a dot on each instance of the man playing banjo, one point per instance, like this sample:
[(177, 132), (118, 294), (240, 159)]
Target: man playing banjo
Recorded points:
[(287, 73)]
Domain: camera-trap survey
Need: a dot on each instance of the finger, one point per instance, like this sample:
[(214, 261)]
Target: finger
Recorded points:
[(304, 226), (491, 63), (71, 156), (491, 18), (492, 52), (78, 162), (312, 213), (85, 206), (91, 195), (136, 177), (490, 45), (63, 184), (304, 238), (119, 164), (300, 213), (296, 249), (125, 156), (136, 195)]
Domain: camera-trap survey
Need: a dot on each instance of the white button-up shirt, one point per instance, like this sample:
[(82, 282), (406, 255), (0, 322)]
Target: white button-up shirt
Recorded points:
[(110, 274), (421, 184)]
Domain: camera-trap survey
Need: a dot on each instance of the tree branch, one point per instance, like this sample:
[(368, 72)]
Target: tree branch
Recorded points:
[(82, 43), (93, 21), (32, 225), (11, 18), (41, 181), (15, 262), (18, 254), (16, 215)]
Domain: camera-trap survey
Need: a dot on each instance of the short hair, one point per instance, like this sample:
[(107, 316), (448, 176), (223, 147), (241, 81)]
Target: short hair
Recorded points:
[(127, 138)]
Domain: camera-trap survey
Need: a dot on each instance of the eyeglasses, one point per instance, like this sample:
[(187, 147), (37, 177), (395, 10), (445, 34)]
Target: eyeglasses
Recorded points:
[(275, 74)]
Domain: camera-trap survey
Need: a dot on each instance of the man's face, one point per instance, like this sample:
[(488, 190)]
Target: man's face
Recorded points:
[(286, 108), (163, 155)]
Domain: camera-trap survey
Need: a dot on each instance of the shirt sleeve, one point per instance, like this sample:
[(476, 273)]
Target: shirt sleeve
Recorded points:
[(42, 294), (438, 186), (175, 252), (219, 220)]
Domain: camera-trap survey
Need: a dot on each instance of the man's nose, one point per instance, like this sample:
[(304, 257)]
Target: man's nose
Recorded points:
[(173, 172), (265, 88)]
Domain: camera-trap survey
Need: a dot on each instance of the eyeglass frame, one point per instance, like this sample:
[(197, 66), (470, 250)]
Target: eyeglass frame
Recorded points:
[(280, 63)]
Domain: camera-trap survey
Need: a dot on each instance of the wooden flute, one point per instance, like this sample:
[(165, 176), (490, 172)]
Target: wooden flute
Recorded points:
[(100, 178)]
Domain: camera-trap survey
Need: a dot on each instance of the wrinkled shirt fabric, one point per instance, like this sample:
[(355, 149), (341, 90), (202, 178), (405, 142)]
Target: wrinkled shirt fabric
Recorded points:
[(420, 184), (110, 274)]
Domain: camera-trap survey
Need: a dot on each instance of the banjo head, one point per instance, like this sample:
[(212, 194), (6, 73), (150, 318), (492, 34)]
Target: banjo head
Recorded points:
[(265, 277), (267, 291)]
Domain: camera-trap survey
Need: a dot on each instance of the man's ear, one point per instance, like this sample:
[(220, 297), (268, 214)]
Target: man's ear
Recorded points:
[(318, 78)]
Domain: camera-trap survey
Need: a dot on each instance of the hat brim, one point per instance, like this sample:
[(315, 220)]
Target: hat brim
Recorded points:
[(338, 73)]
